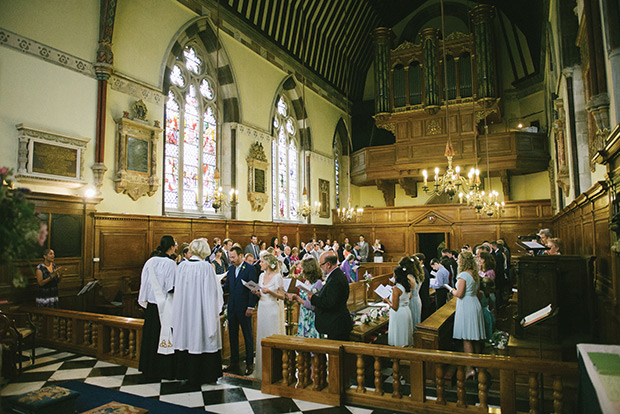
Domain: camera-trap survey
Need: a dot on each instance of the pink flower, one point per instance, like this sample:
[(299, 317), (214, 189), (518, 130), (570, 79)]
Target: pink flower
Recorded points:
[(4, 171)]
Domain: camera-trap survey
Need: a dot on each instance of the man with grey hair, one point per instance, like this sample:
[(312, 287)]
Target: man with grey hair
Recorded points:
[(330, 303)]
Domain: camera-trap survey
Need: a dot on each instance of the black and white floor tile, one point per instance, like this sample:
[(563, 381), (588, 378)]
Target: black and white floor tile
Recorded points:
[(229, 395)]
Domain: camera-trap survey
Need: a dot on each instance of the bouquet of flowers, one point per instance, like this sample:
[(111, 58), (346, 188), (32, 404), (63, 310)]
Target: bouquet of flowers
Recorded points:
[(365, 318), (374, 314), (499, 340), (384, 311), (367, 279)]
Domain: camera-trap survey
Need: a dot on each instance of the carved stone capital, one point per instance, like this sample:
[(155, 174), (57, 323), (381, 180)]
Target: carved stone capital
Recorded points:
[(99, 170), (257, 201)]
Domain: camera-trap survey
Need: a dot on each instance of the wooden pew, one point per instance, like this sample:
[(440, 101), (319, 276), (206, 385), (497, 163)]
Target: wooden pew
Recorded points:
[(435, 332)]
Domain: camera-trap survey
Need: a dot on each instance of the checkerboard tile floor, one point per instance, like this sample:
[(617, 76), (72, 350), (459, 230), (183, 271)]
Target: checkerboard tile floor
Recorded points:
[(229, 395)]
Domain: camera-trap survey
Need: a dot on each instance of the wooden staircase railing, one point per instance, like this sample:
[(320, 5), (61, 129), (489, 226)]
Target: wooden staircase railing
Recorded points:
[(109, 338), (333, 372)]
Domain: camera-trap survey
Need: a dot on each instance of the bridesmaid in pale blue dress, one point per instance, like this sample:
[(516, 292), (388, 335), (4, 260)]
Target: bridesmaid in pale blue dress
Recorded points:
[(415, 275), (468, 319)]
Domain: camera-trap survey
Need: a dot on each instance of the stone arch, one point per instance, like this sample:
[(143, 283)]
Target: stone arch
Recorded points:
[(293, 90)]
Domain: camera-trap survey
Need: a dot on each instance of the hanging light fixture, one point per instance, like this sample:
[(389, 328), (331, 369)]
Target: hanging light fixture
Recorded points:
[(451, 182), (350, 213)]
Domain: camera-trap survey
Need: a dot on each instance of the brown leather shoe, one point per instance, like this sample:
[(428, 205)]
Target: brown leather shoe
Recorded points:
[(249, 369)]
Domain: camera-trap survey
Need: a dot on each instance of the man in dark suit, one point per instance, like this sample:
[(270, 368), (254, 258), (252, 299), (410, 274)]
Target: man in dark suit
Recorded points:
[(241, 303), (226, 246), (286, 260), (500, 282), (330, 303)]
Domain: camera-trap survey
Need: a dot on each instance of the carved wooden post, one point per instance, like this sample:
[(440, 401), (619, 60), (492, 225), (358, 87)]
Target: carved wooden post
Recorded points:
[(70, 330), (483, 387), (285, 362), (316, 378), (63, 329), (360, 374), (301, 368), (86, 333), (378, 377), (461, 394), (396, 368), (122, 349), (95, 336), (533, 391), (113, 334), (132, 344), (439, 384), (323, 371)]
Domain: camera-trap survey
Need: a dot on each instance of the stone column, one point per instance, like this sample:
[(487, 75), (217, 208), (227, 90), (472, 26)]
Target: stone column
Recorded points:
[(482, 17), (431, 84), (382, 37)]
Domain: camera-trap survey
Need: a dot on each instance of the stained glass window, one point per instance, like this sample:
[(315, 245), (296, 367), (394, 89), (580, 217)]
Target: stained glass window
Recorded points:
[(337, 166), (285, 164), (191, 136)]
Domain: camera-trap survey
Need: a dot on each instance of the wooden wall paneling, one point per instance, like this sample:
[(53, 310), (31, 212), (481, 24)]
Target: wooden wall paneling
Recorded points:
[(240, 232), (209, 229), (265, 231), (180, 229), (394, 239), (290, 231)]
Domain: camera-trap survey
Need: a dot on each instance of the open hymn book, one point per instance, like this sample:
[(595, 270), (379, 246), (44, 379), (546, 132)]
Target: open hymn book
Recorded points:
[(252, 285), (384, 291), (537, 316)]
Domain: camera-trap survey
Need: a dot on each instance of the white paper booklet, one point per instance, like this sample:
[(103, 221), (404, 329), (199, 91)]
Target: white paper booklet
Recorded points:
[(445, 285), (287, 283), (252, 285), (393, 279), (384, 291), (536, 316), (304, 286)]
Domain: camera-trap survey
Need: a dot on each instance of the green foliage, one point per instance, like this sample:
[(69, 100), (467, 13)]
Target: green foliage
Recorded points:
[(19, 226)]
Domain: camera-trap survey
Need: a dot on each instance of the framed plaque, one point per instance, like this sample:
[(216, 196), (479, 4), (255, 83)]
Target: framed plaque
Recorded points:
[(136, 159), (50, 156), (324, 198), (257, 171)]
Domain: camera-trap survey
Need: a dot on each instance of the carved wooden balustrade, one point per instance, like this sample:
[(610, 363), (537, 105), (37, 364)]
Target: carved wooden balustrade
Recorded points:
[(109, 338), (336, 372)]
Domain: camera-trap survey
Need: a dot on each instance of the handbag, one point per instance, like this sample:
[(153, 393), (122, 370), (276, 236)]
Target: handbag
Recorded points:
[(165, 344)]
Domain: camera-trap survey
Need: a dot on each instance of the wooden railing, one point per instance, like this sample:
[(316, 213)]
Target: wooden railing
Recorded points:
[(334, 372), (109, 338)]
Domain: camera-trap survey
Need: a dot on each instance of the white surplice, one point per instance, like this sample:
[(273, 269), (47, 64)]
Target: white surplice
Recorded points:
[(165, 270), (198, 301)]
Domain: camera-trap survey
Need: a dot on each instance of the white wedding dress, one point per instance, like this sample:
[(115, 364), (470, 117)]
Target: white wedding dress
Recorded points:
[(270, 316)]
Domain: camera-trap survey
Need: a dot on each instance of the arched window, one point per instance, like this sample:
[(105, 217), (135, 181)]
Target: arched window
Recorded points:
[(415, 83), (191, 135), (400, 86), (285, 163), (465, 75)]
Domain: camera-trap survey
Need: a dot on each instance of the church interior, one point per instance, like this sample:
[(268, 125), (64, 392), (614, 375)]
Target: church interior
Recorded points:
[(423, 124)]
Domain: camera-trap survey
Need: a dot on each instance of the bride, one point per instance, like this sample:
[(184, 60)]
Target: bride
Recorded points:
[(270, 316)]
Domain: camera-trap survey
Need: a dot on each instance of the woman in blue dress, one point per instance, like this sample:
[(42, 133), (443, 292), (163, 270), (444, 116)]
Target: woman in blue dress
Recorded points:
[(313, 275), (468, 319)]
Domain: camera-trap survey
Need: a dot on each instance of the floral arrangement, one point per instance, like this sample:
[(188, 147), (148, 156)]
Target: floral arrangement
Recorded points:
[(367, 279), (384, 312), (20, 228), (365, 318), (499, 340)]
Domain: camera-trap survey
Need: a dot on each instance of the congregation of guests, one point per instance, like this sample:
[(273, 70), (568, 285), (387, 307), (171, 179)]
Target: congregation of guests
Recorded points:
[(182, 291)]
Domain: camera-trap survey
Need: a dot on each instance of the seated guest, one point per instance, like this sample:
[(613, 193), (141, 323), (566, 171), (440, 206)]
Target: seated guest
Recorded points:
[(400, 326), (349, 268), (312, 274), (555, 246), (198, 301), (218, 263), (442, 277)]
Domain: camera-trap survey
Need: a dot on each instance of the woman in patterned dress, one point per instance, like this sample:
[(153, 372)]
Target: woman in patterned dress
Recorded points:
[(313, 275), (48, 276)]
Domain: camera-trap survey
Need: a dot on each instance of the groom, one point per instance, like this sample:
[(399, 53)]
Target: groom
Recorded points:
[(241, 304)]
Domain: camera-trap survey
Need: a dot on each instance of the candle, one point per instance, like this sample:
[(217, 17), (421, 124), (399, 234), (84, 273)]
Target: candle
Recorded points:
[(436, 174), (425, 174)]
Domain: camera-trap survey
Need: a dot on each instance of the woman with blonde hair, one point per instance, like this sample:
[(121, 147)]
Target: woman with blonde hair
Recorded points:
[(270, 315), (313, 275), (468, 318), (415, 275)]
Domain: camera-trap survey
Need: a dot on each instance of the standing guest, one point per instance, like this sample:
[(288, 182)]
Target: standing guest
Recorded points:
[(307, 249), (415, 275), (349, 268), (198, 301), (486, 265), (500, 280), (312, 274), (442, 277), (328, 245), (340, 250), (253, 247), (270, 316), (218, 263), (156, 282), (378, 251), (241, 305), (544, 235), (284, 242), (364, 249), (226, 245), (275, 243), (468, 318), (424, 289), (452, 266), (184, 249), (555, 246), (335, 247), (332, 316), (317, 252), (48, 276), (400, 326), (286, 261), (445, 262)]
